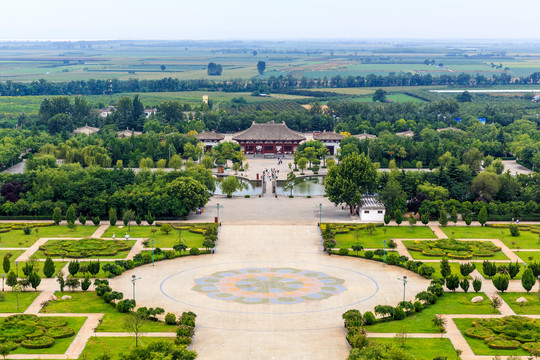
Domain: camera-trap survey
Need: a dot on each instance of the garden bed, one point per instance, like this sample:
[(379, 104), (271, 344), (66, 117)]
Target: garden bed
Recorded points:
[(17, 238), (346, 236), (31, 334), (190, 238), (454, 249), (85, 249), (526, 239)]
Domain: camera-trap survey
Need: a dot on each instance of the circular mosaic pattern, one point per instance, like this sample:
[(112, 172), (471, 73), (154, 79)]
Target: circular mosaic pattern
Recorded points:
[(269, 285)]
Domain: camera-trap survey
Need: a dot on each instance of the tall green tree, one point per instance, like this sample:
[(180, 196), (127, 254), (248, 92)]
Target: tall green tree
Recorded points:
[(393, 196), (261, 66), (113, 217), (482, 216), (71, 216), (57, 215), (129, 216), (347, 182), (48, 268), (528, 280), (6, 264)]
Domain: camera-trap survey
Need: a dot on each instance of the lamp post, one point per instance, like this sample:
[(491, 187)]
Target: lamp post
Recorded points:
[(384, 253), (404, 279), (218, 207), (133, 280), (17, 268), (320, 215), (153, 242), (3, 275)]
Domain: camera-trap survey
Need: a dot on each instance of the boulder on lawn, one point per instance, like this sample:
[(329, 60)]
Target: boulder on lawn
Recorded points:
[(66, 297), (521, 300), (52, 298), (477, 299)]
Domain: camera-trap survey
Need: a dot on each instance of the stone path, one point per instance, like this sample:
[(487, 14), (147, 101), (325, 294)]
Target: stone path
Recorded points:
[(100, 231)]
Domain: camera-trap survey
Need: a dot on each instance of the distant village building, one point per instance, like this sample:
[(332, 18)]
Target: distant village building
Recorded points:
[(536, 98), (450, 128), (408, 133), (365, 136), (128, 133), (210, 139), (205, 99), (87, 130), (149, 112), (330, 139), (371, 210), (269, 138), (106, 112)]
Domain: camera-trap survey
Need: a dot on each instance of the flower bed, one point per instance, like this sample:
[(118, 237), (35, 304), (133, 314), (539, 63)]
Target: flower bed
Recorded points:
[(507, 333), (462, 250), (78, 249), (32, 332)]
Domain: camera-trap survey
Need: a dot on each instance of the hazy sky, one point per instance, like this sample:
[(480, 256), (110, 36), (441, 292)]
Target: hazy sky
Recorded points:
[(268, 19)]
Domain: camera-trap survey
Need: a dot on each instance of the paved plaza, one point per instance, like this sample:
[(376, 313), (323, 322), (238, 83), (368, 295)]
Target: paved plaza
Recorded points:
[(269, 293)]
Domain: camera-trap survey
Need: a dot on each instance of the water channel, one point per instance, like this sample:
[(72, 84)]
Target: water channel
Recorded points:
[(309, 185)]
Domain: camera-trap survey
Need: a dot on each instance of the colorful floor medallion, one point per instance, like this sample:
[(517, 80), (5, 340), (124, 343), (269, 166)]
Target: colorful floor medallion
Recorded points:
[(269, 285)]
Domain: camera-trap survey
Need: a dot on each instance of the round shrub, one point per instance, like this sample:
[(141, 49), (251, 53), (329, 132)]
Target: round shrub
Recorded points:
[(357, 341), (369, 318), (399, 314), (479, 332), (436, 289), (185, 330), (368, 254), (187, 318), (194, 251), (418, 306), (170, 319), (343, 251), (183, 340), (531, 346), (41, 342)]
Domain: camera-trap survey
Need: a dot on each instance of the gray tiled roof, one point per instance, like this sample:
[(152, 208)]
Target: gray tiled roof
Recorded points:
[(269, 131), (328, 136), (450, 128), (365, 136), (209, 135)]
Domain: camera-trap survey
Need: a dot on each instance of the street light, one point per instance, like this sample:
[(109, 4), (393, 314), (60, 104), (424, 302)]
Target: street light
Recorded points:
[(153, 242), (404, 279), (320, 215), (3, 275), (218, 207), (384, 253), (17, 267), (133, 280)]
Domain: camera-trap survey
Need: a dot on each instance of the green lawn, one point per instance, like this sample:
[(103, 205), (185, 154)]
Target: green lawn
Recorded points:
[(119, 255), (417, 255), (162, 240), (528, 255), (532, 307), (9, 305), (17, 238), (480, 268), (527, 239), (89, 302), (14, 255), (375, 240), (479, 347), (449, 303), (115, 346), (60, 345), (422, 349)]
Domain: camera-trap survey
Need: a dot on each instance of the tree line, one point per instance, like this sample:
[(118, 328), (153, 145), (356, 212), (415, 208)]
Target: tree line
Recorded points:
[(114, 86)]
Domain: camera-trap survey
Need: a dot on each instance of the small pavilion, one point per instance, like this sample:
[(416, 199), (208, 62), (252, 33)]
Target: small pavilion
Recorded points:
[(330, 139), (269, 138), (209, 139)]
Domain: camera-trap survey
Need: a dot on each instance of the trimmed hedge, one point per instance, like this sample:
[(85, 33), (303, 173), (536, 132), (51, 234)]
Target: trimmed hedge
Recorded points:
[(78, 249), (41, 342)]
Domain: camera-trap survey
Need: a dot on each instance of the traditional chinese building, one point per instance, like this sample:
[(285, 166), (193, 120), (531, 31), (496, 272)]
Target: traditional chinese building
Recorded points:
[(330, 139), (209, 139), (269, 138), (87, 130)]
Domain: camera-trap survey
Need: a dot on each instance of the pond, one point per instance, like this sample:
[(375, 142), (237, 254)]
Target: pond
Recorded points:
[(309, 185)]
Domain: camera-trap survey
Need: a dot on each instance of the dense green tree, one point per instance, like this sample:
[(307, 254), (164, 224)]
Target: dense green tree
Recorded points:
[(528, 280), (482, 216), (500, 281), (48, 268), (113, 217), (445, 268), (379, 95), (346, 182), (6, 265), (71, 216), (57, 215), (261, 66)]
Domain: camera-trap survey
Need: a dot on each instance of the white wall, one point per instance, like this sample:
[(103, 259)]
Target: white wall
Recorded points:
[(372, 216)]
